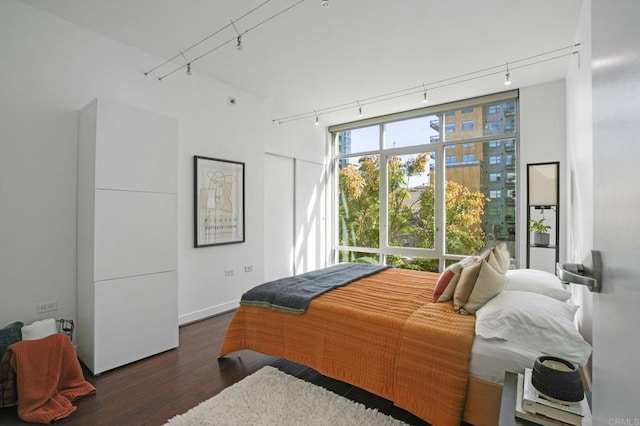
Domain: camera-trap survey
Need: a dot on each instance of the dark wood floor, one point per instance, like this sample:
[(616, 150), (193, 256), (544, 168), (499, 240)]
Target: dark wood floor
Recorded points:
[(151, 391)]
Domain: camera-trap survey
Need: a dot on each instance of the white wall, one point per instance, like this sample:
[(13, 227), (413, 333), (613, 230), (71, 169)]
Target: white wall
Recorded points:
[(52, 69), (542, 140), (616, 148), (295, 139)]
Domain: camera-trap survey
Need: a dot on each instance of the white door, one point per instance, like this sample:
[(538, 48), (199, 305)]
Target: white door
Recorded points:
[(616, 154), (278, 217)]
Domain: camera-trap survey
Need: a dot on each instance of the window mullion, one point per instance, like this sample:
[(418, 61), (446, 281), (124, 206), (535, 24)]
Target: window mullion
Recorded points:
[(440, 218), (384, 194)]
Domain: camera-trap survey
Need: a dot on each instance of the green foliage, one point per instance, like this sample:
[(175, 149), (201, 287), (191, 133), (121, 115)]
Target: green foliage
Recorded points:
[(411, 221), (538, 226)]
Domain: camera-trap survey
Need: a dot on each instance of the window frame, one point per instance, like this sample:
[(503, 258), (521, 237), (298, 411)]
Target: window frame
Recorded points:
[(438, 150)]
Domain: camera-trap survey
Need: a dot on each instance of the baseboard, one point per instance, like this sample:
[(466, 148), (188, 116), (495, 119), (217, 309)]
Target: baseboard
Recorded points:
[(207, 312)]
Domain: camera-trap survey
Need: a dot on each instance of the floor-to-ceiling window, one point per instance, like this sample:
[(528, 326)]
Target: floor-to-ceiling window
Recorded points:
[(422, 188)]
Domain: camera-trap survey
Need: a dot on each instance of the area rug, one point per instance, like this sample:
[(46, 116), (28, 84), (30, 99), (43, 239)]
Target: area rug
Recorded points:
[(271, 397)]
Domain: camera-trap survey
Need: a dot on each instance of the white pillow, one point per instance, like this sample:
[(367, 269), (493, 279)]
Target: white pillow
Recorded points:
[(534, 321), (536, 281)]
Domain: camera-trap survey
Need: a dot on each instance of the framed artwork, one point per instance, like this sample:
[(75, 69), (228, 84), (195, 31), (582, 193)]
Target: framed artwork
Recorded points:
[(218, 201)]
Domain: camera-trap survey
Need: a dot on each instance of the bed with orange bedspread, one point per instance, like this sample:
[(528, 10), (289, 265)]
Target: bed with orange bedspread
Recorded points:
[(380, 333)]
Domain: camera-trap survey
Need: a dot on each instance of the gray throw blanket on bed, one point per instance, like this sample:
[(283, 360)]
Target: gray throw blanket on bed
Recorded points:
[(293, 294)]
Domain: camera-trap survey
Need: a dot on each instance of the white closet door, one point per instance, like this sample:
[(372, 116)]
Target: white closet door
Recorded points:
[(135, 317), (136, 150), (278, 217), (309, 216), (135, 234)]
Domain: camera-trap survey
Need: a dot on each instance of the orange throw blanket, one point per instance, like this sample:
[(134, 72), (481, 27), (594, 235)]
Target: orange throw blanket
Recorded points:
[(49, 377), (380, 333)]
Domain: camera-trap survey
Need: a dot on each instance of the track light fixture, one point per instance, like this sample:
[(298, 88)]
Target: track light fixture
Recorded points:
[(507, 80), (325, 3), (425, 99), (359, 109), (188, 69), (317, 123), (237, 39)]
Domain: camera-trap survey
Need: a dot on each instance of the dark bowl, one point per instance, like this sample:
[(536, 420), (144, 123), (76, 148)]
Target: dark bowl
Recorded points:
[(557, 379)]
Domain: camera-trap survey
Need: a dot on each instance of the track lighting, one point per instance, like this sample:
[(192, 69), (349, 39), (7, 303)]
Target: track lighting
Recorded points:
[(507, 80), (325, 3), (446, 82), (317, 123), (188, 69), (223, 43)]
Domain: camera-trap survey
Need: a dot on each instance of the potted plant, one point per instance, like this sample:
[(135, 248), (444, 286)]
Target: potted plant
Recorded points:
[(540, 234)]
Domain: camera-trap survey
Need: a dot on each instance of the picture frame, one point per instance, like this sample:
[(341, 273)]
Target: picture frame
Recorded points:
[(218, 201)]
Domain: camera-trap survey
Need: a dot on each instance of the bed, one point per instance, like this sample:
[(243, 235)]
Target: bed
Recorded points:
[(385, 334)]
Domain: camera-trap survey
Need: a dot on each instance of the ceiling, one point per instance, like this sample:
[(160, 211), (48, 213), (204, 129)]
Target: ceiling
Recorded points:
[(311, 57)]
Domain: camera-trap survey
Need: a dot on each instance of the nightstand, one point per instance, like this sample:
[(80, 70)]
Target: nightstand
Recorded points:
[(508, 404)]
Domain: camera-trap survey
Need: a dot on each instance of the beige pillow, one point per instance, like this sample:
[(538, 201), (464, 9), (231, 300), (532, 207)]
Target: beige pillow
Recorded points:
[(465, 284), (443, 290), (447, 281), (499, 258), (489, 284)]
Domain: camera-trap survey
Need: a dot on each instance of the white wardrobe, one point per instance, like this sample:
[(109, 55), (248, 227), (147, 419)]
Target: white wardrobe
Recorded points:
[(127, 235)]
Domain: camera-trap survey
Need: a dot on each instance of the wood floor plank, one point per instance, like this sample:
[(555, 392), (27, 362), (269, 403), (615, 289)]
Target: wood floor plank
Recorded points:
[(151, 391)]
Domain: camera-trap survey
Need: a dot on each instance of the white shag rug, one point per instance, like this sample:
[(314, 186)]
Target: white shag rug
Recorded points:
[(271, 397)]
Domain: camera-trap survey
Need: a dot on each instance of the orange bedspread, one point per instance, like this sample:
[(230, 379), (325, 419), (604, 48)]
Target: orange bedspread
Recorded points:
[(380, 333)]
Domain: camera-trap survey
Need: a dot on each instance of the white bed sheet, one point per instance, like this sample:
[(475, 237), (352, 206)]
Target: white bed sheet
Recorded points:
[(490, 358)]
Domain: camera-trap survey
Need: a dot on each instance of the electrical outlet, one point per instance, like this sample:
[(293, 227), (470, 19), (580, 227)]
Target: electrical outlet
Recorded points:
[(228, 272), (51, 306), (248, 268)]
